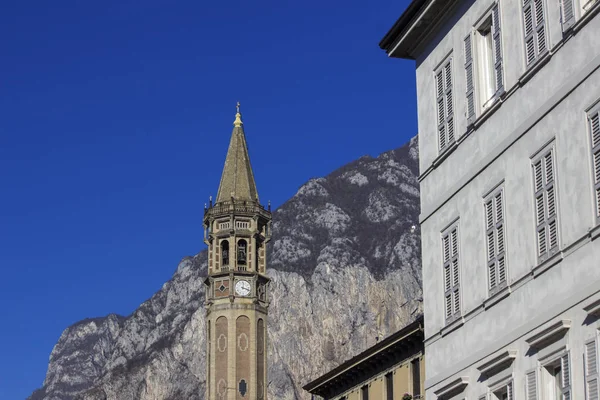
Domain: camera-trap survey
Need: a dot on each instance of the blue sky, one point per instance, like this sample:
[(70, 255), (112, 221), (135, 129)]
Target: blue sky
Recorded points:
[(115, 120)]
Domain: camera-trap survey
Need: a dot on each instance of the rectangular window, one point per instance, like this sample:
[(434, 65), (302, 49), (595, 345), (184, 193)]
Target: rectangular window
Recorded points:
[(364, 391), (416, 376), (534, 22), (495, 228), (504, 392), (445, 106), (488, 45), (591, 370), (545, 205), (389, 386), (451, 274), (594, 124), (557, 379)]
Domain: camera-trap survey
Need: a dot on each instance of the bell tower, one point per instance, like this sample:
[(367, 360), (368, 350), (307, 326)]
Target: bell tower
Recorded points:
[(236, 230)]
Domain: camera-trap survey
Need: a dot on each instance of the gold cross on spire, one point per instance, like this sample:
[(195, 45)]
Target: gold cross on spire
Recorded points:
[(238, 117)]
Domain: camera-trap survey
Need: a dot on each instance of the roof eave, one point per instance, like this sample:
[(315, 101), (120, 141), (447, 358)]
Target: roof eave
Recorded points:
[(419, 20), (400, 335)]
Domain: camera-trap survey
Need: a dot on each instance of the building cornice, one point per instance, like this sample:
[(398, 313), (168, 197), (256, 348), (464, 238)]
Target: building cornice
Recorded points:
[(420, 19)]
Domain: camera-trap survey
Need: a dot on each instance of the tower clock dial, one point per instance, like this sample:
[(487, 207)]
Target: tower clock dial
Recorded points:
[(242, 288)]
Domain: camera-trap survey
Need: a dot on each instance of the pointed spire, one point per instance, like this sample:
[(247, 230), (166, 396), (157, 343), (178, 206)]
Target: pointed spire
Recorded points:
[(237, 181)]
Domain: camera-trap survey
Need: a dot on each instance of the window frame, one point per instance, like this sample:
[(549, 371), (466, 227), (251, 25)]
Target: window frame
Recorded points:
[(506, 385), (364, 390), (563, 359), (388, 379), (451, 275), (475, 72)]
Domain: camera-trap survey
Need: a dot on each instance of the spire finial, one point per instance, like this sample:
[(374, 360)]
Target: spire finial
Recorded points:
[(238, 116)]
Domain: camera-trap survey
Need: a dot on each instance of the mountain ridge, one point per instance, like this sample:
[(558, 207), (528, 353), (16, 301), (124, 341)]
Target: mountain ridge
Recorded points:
[(353, 233)]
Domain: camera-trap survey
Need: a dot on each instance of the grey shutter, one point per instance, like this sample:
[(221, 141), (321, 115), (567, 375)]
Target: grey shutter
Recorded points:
[(591, 371), (509, 391), (499, 208), (531, 385), (540, 26), (491, 243), (594, 119), (451, 274), (455, 272), (447, 276), (469, 76), (529, 38), (441, 110), (565, 377), (534, 22), (497, 41), (545, 206), (551, 203), (539, 207), (449, 101), (567, 14)]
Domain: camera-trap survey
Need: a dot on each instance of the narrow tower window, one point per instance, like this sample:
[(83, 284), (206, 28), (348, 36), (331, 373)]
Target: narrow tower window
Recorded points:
[(242, 252), (225, 253)]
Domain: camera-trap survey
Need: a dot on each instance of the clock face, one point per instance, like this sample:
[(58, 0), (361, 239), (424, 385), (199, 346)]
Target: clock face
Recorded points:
[(242, 288)]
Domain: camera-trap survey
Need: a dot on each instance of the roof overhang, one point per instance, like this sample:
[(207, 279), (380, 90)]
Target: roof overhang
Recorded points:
[(419, 20), (410, 335)]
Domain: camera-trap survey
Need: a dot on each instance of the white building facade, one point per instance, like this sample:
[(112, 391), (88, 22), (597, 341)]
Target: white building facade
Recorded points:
[(509, 143)]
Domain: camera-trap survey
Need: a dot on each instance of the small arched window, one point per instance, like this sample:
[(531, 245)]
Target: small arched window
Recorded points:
[(242, 252), (225, 252)]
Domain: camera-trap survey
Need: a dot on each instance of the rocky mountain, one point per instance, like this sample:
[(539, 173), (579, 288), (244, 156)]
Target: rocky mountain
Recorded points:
[(345, 268)]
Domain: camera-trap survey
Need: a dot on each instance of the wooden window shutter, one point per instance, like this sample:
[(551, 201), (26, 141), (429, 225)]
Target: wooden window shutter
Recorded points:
[(567, 14), (499, 208), (469, 77), (509, 391), (451, 273), (494, 223), (594, 119), (534, 22), (565, 377), (529, 38), (497, 41), (531, 385), (591, 371), (540, 28), (449, 101), (441, 110), (545, 205)]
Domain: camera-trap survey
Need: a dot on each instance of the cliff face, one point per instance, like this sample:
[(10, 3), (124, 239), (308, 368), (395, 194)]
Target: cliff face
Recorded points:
[(345, 267)]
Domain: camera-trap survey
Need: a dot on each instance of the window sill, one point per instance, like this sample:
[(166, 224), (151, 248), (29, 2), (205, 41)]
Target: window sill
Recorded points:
[(496, 294), (439, 159), (444, 154), (548, 263), (452, 324), (595, 232), (488, 112), (535, 67)]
